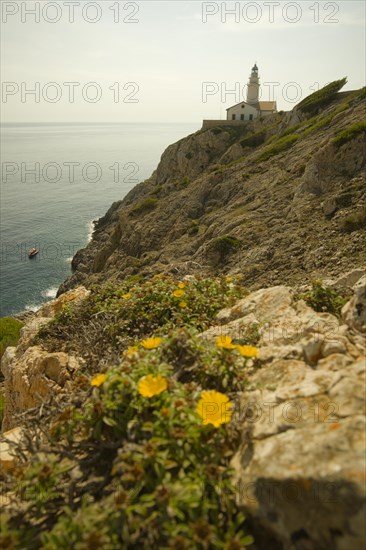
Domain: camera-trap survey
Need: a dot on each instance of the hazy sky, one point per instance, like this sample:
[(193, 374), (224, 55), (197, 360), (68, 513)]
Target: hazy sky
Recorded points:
[(163, 53)]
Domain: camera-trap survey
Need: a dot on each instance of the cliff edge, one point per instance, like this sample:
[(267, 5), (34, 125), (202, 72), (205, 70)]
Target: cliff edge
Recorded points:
[(281, 199)]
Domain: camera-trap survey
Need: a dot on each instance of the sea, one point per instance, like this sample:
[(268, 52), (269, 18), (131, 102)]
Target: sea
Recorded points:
[(56, 179)]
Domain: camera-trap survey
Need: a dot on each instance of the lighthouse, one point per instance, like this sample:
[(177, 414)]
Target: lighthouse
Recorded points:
[(252, 108), (253, 87)]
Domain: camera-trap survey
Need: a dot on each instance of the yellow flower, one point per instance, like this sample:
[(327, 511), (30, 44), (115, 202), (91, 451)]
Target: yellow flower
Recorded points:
[(182, 285), (165, 412), (225, 342), (130, 351), (151, 343), (178, 293), (229, 279), (214, 408), (98, 380), (150, 385), (126, 296), (182, 304), (247, 351)]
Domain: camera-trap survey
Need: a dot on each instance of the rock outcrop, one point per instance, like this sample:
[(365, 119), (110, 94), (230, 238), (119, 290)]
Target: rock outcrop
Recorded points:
[(301, 467), (9, 440), (31, 373), (32, 378), (295, 216), (354, 313)]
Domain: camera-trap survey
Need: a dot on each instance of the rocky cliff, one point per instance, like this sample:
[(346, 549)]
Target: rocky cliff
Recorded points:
[(279, 200), (219, 401)]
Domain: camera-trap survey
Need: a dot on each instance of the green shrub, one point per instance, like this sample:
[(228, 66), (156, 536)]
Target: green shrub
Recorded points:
[(324, 299), (280, 145), (354, 221), (147, 204), (185, 182), (343, 136), (315, 123), (226, 244), (9, 332), (128, 469), (291, 130), (157, 189), (254, 140), (356, 95), (115, 314), (322, 97)]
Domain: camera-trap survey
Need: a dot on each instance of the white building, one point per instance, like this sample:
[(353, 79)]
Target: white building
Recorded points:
[(252, 108)]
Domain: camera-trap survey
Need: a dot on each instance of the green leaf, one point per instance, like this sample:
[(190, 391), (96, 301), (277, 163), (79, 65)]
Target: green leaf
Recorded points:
[(109, 421)]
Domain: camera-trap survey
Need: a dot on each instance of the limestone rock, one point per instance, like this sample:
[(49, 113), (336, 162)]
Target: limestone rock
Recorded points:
[(46, 313), (329, 206), (300, 470), (189, 157), (287, 328), (52, 308), (354, 312), (349, 279), (32, 374), (7, 442), (32, 377), (29, 331), (305, 482)]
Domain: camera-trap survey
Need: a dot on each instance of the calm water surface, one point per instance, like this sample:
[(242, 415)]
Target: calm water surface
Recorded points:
[(57, 179)]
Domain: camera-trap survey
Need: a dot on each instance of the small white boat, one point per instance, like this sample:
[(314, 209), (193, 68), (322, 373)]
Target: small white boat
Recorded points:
[(33, 252)]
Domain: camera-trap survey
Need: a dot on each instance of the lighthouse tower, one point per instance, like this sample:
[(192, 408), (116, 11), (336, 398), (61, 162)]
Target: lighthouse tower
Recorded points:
[(253, 87), (250, 109)]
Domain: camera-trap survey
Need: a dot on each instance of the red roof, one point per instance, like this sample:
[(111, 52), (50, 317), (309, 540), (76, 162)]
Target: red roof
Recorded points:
[(267, 106)]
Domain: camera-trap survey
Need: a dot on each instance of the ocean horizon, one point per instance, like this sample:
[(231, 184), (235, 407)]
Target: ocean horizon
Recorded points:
[(57, 178)]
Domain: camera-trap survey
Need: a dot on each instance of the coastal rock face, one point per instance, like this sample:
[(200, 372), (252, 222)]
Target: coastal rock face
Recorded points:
[(300, 470), (52, 308), (290, 218), (189, 157), (32, 374), (354, 313), (31, 378)]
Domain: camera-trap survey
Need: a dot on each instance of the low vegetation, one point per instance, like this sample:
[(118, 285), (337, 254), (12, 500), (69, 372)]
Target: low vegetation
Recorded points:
[(291, 130), (322, 298), (115, 315), (349, 133), (254, 140), (320, 99), (138, 452), (354, 221), (280, 145), (9, 333), (147, 204), (225, 245), (319, 121)]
